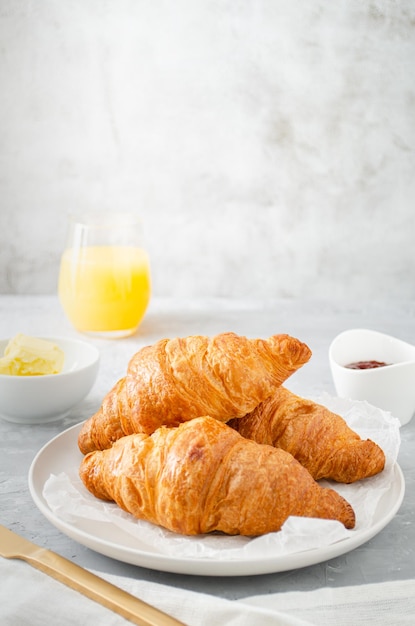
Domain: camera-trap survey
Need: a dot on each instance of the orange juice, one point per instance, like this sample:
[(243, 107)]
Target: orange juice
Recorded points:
[(105, 288)]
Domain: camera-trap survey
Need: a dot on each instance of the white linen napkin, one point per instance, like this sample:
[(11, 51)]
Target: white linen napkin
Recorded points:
[(30, 598)]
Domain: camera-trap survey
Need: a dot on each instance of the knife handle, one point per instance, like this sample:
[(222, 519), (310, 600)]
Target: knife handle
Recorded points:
[(135, 610)]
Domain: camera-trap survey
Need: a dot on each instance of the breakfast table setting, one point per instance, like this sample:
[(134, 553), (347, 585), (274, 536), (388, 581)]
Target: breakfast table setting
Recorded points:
[(207, 313), (311, 572)]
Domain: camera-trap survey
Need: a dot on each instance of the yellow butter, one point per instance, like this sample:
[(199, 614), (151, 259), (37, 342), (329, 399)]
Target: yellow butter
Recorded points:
[(30, 356)]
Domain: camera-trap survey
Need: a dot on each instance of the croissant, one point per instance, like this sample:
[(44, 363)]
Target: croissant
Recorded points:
[(202, 476), (176, 380), (318, 438)]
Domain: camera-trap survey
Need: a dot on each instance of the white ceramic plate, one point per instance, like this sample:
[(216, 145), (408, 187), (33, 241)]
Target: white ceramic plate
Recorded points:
[(61, 455)]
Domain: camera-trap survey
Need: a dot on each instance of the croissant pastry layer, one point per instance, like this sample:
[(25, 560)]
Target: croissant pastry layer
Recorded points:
[(318, 438), (176, 380), (202, 476)]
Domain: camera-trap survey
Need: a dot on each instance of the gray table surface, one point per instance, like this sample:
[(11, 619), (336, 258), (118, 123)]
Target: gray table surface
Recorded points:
[(388, 556)]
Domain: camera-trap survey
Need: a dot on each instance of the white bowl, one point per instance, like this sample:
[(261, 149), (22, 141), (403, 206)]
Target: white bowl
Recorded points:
[(391, 387), (46, 398)]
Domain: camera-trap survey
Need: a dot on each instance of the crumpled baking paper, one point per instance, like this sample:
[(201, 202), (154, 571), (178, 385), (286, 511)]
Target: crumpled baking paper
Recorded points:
[(69, 501)]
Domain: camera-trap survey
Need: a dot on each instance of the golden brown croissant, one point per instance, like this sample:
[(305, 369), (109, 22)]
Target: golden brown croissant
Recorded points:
[(319, 439), (202, 476), (176, 380)]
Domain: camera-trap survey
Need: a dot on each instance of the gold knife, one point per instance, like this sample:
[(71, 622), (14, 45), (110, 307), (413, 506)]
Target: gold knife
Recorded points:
[(13, 546)]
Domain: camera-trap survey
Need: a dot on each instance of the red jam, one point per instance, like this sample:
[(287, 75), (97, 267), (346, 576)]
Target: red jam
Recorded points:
[(365, 365)]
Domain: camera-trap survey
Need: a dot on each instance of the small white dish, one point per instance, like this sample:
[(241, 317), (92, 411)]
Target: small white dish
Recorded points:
[(390, 387), (47, 398)]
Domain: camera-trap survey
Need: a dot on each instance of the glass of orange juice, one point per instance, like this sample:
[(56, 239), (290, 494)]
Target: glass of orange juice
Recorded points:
[(104, 280)]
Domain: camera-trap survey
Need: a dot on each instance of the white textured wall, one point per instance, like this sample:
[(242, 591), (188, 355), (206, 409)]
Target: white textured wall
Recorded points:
[(267, 144)]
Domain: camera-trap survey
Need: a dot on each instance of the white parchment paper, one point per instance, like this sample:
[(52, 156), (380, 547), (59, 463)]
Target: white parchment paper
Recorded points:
[(70, 501)]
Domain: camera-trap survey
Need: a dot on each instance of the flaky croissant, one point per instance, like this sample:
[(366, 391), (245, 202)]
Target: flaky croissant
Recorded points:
[(202, 476), (176, 380), (318, 438)]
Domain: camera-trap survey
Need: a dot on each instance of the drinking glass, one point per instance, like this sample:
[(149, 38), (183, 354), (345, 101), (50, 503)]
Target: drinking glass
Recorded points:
[(104, 280)]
